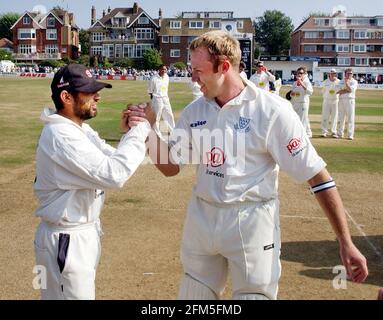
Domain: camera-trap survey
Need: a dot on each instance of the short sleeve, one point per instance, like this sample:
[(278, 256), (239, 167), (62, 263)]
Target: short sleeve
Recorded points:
[(291, 148)]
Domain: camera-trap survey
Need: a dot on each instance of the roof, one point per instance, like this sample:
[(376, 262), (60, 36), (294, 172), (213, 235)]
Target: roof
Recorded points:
[(125, 12), (5, 43)]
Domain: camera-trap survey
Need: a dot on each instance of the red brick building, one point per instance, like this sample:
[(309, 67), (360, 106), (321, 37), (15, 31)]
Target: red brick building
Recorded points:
[(50, 36)]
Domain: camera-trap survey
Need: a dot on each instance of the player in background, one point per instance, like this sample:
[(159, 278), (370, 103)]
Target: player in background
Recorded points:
[(262, 76), (330, 88), (346, 106), (158, 92), (300, 98)]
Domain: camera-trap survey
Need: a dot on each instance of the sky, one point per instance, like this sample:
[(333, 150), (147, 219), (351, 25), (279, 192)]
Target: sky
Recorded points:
[(296, 10)]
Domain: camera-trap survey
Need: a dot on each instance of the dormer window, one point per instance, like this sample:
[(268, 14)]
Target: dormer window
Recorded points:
[(51, 22), (143, 20), (26, 20)]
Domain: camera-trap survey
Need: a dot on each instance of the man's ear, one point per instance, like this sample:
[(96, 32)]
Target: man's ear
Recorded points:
[(225, 65), (65, 97)]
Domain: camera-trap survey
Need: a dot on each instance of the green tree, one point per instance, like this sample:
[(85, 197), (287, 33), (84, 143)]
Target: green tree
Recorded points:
[(273, 32), (7, 20), (84, 59), (84, 37), (180, 65), (5, 55), (152, 59), (124, 63)]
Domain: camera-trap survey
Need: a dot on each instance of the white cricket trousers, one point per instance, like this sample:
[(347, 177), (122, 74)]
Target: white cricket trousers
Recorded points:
[(346, 112), (243, 238), (302, 109), (162, 108), (70, 256), (329, 115)]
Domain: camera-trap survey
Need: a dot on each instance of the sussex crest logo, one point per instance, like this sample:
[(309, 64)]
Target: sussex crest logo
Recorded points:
[(243, 125)]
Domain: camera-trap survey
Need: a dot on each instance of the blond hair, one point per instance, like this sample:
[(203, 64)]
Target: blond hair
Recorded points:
[(220, 45)]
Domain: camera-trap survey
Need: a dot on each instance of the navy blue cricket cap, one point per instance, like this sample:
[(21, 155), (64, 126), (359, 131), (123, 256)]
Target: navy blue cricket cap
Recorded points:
[(76, 77)]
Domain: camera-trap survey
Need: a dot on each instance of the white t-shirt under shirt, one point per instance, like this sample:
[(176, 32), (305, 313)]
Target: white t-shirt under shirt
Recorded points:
[(268, 134)]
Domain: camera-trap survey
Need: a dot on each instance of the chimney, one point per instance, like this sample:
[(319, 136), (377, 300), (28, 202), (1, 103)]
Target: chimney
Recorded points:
[(135, 8), (109, 10), (160, 13), (103, 13), (93, 16)]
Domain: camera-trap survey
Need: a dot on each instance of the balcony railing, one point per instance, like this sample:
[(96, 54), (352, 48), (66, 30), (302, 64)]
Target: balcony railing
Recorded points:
[(37, 56)]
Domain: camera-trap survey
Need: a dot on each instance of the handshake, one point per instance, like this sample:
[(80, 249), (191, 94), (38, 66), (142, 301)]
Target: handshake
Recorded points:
[(136, 113)]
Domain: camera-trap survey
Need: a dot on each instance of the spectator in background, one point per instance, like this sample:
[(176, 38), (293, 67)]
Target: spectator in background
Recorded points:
[(242, 68)]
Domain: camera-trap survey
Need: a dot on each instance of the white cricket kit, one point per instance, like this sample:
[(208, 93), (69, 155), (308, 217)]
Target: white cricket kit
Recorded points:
[(278, 86), (73, 168), (158, 87), (330, 105), (300, 99), (233, 216), (346, 109), (243, 75), (261, 80)]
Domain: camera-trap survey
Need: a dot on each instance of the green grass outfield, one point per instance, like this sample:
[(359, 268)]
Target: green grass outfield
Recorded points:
[(21, 101)]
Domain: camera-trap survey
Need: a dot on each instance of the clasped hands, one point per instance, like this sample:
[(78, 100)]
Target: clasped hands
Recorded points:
[(136, 113)]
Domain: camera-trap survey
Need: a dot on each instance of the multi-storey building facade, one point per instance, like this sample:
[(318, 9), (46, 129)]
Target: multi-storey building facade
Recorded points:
[(122, 32), (341, 41), (50, 36), (177, 33)]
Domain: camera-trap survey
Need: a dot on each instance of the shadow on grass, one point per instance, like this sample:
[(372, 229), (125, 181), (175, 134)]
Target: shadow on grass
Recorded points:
[(320, 257)]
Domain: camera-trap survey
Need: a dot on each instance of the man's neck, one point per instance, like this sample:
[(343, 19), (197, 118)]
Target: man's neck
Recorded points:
[(231, 91)]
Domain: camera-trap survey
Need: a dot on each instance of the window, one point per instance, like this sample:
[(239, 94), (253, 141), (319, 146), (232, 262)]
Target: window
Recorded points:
[(175, 53), (359, 48), (175, 24), (215, 24), (240, 24), (165, 39), (140, 49), (26, 20), (25, 48), (360, 34), (328, 48), (195, 24), (51, 34), (361, 61), (108, 50), (97, 36), (51, 48), (311, 34), (342, 48), (309, 48), (143, 20), (175, 39), (26, 34), (96, 51), (344, 61), (51, 22), (322, 22), (343, 34), (328, 34), (144, 33)]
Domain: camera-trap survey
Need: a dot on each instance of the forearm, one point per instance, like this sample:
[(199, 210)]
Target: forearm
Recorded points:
[(331, 203), (159, 153)]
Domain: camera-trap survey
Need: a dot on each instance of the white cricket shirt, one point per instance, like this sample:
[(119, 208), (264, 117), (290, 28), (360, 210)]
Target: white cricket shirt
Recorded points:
[(299, 94), (269, 129), (74, 166), (158, 86), (330, 89), (261, 80), (353, 85)]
